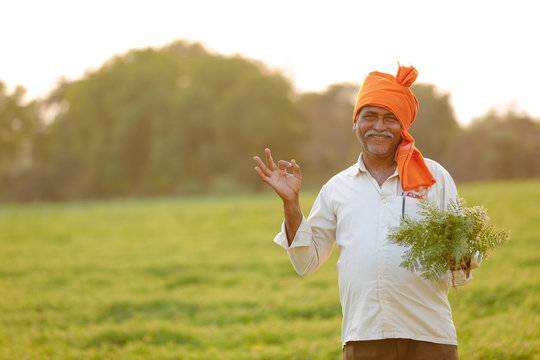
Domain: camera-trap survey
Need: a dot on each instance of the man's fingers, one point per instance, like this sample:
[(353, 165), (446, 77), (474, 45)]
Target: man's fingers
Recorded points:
[(262, 166), (261, 174), (269, 159), (296, 168), (283, 165)]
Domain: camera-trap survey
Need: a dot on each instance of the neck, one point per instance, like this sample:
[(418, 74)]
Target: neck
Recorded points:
[(377, 163)]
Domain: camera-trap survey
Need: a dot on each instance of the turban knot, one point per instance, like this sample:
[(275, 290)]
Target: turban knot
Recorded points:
[(394, 94)]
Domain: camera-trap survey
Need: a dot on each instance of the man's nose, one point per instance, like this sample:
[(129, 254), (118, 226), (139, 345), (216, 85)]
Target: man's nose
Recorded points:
[(379, 124)]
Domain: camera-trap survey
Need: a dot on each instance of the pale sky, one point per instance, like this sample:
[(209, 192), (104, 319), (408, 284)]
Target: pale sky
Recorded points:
[(484, 53)]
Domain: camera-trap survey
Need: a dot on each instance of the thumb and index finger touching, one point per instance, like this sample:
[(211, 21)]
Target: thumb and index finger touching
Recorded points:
[(282, 164), (265, 170), (291, 165)]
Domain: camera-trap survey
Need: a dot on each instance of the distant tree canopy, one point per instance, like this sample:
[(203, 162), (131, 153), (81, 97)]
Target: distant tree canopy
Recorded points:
[(435, 126), (180, 119), (330, 143), (18, 123), (173, 120), (497, 146)]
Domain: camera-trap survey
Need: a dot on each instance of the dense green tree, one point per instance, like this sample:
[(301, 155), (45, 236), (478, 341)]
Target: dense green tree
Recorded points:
[(331, 144), (18, 121), (497, 146), (170, 120), (180, 119), (435, 127)]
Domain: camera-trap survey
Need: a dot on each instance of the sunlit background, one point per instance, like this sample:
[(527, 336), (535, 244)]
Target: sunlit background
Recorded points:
[(483, 53), (132, 222), (161, 89)]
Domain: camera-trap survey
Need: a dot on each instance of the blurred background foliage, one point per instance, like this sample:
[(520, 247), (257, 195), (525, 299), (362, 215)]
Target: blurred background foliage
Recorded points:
[(182, 120)]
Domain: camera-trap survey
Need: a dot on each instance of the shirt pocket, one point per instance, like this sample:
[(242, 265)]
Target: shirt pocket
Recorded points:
[(406, 206), (411, 207)]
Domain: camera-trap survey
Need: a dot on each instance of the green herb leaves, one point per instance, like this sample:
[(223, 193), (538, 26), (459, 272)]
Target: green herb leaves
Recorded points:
[(446, 240)]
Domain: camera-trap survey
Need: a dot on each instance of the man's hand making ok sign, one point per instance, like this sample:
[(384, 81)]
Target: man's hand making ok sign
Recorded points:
[(286, 185)]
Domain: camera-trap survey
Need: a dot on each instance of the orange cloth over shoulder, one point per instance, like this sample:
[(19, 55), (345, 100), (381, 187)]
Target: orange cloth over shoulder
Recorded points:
[(394, 94)]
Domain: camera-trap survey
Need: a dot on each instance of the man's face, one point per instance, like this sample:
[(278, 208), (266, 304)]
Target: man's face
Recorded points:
[(379, 131)]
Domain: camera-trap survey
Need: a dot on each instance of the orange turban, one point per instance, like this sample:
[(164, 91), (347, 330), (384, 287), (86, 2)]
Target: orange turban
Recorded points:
[(393, 94)]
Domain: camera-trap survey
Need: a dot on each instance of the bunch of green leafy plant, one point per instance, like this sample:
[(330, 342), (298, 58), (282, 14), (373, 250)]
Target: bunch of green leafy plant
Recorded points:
[(443, 240)]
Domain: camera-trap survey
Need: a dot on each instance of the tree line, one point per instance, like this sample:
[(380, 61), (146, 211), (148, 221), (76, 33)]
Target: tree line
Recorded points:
[(183, 120)]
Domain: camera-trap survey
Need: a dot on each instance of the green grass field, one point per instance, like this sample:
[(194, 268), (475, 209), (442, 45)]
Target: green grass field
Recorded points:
[(200, 278)]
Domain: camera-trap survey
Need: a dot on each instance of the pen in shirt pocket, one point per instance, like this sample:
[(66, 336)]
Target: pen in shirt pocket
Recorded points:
[(402, 205)]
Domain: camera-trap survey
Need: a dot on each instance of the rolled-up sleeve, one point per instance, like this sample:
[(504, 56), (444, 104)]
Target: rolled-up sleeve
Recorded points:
[(315, 238)]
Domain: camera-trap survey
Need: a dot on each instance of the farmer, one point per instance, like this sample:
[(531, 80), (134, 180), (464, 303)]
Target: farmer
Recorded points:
[(388, 312)]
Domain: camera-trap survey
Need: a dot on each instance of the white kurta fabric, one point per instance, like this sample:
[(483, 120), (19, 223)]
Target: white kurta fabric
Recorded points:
[(379, 298)]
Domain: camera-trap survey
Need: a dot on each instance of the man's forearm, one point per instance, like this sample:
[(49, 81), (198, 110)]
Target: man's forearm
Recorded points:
[(293, 218)]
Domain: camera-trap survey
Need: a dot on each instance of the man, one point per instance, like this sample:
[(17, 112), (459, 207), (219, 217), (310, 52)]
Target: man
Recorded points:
[(388, 311)]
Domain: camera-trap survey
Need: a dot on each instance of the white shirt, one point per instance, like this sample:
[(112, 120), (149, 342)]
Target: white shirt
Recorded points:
[(379, 298)]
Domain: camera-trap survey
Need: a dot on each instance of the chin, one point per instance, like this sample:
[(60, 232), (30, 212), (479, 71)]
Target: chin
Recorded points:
[(376, 150)]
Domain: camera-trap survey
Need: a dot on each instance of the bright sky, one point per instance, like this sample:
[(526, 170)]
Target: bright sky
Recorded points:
[(484, 53)]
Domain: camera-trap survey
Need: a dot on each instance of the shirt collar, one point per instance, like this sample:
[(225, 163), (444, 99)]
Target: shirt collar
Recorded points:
[(360, 167)]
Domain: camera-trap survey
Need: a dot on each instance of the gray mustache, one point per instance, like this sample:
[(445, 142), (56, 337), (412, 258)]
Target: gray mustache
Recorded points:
[(374, 132)]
